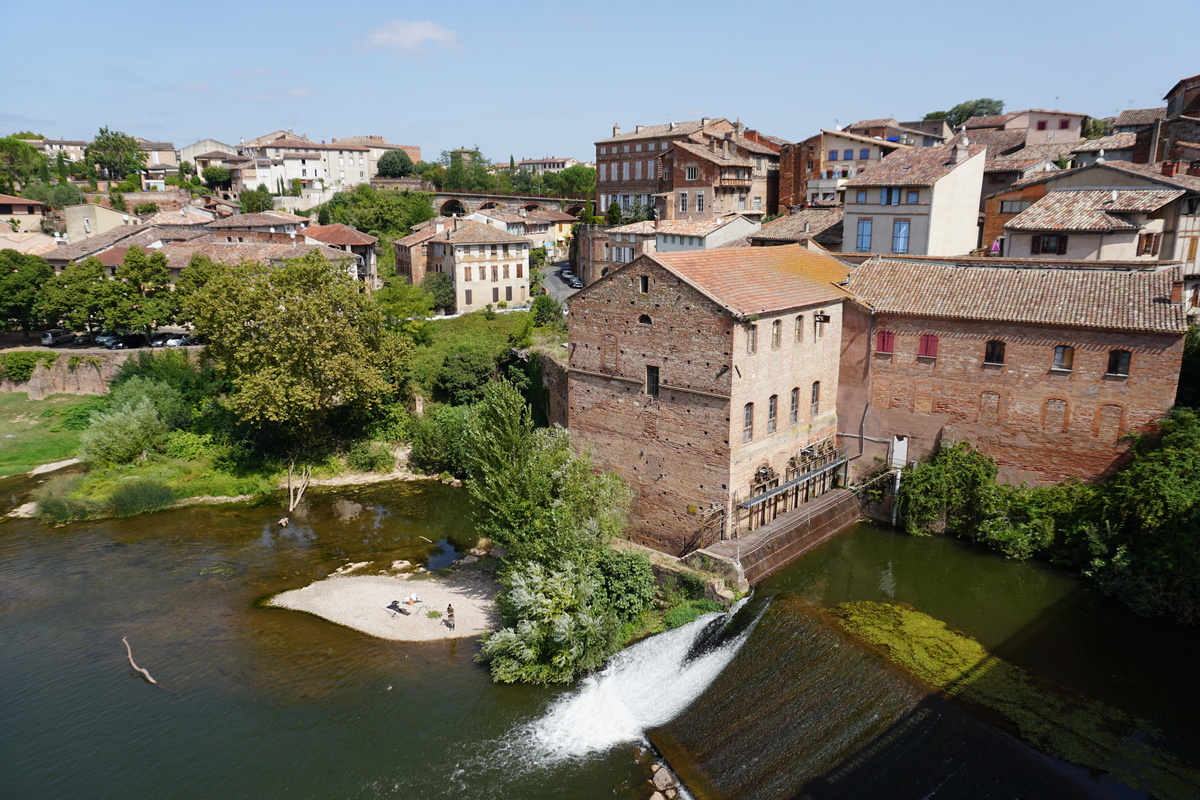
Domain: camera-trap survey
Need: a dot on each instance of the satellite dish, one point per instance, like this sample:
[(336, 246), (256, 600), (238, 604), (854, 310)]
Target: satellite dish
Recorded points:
[(272, 230)]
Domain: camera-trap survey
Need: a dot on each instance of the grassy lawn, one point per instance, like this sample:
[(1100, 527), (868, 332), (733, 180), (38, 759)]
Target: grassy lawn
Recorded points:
[(31, 424)]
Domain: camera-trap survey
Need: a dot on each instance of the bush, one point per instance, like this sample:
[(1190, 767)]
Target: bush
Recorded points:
[(55, 503), (393, 423), (439, 441), (687, 611), (79, 416), (172, 409), (123, 435), (625, 584), (371, 457), (141, 209), (18, 365), (139, 496), (188, 446), (463, 375), (546, 311)]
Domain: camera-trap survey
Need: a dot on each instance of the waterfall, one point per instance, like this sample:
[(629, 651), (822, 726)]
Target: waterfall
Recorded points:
[(645, 685)]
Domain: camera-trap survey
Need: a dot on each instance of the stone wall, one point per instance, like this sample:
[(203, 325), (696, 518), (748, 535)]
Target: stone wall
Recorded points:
[(72, 373), (554, 379)]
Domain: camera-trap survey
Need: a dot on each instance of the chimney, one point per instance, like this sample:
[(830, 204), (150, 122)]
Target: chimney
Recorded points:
[(616, 129), (807, 227), (725, 144), (712, 144), (960, 154), (705, 120), (1169, 168), (638, 128), (739, 128), (670, 126), (439, 228), (1194, 169)]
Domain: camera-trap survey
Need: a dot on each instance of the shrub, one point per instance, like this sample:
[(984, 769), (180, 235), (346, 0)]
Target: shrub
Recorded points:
[(123, 435), (19, 365), (463, 375), (139, 496), (55, 503), (439, 441), (687, 611), (393, 423), (79, 416), (188, 446), (625, 583), (172, 409), (546, 311), (371, 457)]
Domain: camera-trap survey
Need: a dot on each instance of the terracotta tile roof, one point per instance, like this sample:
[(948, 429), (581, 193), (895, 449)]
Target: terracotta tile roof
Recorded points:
[(743, 241), (1151, 172), (1059, 294), (855, 137), (465, 231), (338, 233), (1116, 141), (875, 123), (288, 143), (692, 227), (113, 257), (918, 166), (262, 219), (742, 143), (717, 156), (656, 131), (179, 253), (998, 142), (824, 225), (101, 241), (643, 227), (993, 121), (1091, 209), (1178, 84), (216, 154), (1013, 164), (418, 236), (156, 145), (550, 215), (21, 201), (180, 217), (759, 280), (1050, 150), (1139, 116)]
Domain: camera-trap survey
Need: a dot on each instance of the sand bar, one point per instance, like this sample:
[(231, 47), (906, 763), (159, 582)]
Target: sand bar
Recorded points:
[(361, 602)]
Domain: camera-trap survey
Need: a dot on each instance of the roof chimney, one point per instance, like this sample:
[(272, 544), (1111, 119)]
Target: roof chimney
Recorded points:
[(705, 120), (739, 127), (439, 228), (616, 129), (638, 128), (1169, 168), (961, 154), (1194, 169), (725, 144), (670, 126)]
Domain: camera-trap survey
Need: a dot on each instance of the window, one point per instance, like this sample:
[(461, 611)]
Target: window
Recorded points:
[(848, 155), (748, 423), (864, 235), (794, 414), (889, 197), (914, 196), (1148, 244), (507, 294), (467, 273), (994, 352), (1064, 357), (637, 170), (1063, 124), (928, 347), (1041, 126), (800, 328), (468, 297), (652, 381), (644, 284), (520, 270), (644, 319), (699, 201), (776, 327), (864, 154), (1013, 206), (833, 155), (1048, 243), (885, 342), (495, 294), (758, 204), (860, 197), (1118, 362), (683, 202), (816, 398), (752, 339), (691, 173), (772, 410), (742, 203), (900, 236)]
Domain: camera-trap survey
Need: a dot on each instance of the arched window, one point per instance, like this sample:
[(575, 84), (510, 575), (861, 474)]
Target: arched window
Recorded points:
[(776, 327), (794, 416), (752, 340), (1064, 357), (800, 328), (645, 320), (748, 423), (994, 352), (1118, 362), (772, 412), (816, 398)]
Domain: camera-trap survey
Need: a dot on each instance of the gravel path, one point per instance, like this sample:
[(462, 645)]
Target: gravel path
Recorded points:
[(361, 602)]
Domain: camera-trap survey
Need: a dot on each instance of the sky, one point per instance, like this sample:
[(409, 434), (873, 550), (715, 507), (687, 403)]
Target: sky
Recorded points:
[(531, 79)]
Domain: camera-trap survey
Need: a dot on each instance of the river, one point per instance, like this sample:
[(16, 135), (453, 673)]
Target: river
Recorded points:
[(261, 702)]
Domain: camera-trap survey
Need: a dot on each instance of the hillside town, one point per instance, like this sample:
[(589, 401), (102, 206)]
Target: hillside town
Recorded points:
[(718, 347)]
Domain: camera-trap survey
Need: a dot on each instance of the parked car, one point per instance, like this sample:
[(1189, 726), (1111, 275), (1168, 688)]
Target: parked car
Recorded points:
[(84, 340), (159, 339), (129, 341), (566, 274), (575, 283), (195, 339), (105, 338), (56, 337), (176, 340)]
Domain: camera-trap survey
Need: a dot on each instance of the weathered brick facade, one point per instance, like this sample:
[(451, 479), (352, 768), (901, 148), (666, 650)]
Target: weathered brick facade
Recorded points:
[(994, 219), (683, 447)]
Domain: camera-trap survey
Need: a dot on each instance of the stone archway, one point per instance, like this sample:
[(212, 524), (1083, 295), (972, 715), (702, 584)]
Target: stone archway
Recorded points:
[(575, 210), (491, 204), (453, 207)]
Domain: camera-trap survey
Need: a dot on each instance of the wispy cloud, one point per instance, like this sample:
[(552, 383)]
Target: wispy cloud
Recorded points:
[(410, 38)]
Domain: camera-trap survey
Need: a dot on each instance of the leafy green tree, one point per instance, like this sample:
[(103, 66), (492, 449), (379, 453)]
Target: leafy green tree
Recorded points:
[(380, 212), (1188, 393), (546, 311), (114, 154), (20, 164), (142, 209), (61, 169), (123, 435), (983, 107), (298, 341), (29, 135), (256, 200), (193, 278), (58, 196), (439, 441), (1097, 128), (463, 375), (440, 287), (324, 216), (21, 279), (404, 306), (215, 176), (80, 296), (395, 164), (141, 297), (576, 181), (613, 216), (187, 168)]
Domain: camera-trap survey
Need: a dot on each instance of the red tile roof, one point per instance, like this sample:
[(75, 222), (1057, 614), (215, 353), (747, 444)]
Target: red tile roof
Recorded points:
[(918, 166), (1116, 141), (1140, 116), (21, 201), (759, 280), (179, 253), (670, 129), (824, 225), (339, 234), (1070, 295), (1091, 209), (716, 156), (263, 219)]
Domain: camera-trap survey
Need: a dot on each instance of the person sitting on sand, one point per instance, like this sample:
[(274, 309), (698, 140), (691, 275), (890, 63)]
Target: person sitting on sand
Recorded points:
[(413, 599), (450, 617)]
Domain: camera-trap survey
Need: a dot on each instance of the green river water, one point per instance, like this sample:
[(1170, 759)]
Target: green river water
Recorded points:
[(260, 702)]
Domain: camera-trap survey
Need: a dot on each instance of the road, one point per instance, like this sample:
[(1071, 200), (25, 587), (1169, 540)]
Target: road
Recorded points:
[(556, 287)]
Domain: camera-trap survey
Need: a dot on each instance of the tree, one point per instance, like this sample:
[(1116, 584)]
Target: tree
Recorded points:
[(576, 181), (380, 212), (79, 296), (324, 216), (440, 287), (215, 176), (546, 311), (61, 169), (193, 278), (141, 296), (395, 164), (20, 163), (114, 154), (613, 216), (1097, 128), (404, 306), (298, 341), (21, 279), (58, 196), (983, 107), (255, 200)]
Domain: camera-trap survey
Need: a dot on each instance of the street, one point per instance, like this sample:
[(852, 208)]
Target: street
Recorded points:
[(555, 286)]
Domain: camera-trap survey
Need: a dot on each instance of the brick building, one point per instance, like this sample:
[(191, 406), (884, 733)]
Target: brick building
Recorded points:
[(412, 256), (816, 169), (716, 176), (1044, 367), (706, 380)]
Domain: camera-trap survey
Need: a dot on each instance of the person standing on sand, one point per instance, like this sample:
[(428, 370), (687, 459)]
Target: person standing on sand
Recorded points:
[(450, 617)]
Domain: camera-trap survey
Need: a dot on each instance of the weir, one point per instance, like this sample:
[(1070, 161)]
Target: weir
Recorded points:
[(803, 711)]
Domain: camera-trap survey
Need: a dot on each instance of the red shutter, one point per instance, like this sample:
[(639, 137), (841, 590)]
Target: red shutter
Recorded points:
[(1062, 245), (1035, 245), (884, 341), (1157, 243), (929, 346)]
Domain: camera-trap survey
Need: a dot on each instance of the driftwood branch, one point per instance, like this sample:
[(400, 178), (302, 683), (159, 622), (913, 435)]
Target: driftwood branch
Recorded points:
[(295, 494), (145, 673)]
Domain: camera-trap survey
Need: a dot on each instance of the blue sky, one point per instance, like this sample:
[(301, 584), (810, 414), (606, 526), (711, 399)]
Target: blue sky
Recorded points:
[(533, 79)]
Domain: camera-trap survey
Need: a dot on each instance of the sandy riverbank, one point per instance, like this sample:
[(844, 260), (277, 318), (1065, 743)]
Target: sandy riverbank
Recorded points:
[(361, 602)]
